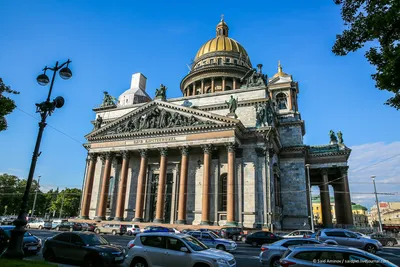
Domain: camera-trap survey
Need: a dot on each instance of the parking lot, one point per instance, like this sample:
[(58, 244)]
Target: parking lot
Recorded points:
[(245, 255)]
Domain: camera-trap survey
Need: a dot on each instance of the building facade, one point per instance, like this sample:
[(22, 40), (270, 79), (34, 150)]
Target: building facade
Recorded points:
[(230, 151)]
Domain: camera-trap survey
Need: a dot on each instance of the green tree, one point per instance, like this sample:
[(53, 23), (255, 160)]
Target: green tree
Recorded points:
[(7, 105), (69, 200), (378, 22)]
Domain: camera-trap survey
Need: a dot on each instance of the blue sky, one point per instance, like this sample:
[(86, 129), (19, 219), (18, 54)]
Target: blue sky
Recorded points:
[(108, 41)]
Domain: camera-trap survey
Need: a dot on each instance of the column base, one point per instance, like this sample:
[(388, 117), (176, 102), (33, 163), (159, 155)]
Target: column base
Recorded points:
[(84, 217), (205, 223), (158, 221), (180, 222), (120, 219), (100, 218), (230, 224), (138, 219)]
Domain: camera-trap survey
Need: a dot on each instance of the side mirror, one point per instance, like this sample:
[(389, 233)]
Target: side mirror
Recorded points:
[(184, 249)]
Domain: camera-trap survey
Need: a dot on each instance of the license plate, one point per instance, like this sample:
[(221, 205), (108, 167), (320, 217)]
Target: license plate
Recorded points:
[(32, 248), (119, 258)]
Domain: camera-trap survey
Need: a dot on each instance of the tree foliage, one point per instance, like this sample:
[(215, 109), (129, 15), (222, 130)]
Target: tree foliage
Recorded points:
[(12, 189), (378, 22), (7, 105)]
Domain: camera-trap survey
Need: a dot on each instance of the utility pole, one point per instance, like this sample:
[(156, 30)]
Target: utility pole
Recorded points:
[(377, 204), (34, 200), (62, 204), (310, 198)]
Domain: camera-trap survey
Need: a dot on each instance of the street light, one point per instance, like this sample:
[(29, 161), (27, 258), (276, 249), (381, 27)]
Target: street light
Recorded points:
[(309, 194), (45, 109), (377, 204)]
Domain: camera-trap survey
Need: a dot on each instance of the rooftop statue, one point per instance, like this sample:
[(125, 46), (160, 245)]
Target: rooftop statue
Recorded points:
[(340, 137), (264, 115), (108, 100), (98, 122), (232, 105), (332, 137), (253, 78), (161, 93)]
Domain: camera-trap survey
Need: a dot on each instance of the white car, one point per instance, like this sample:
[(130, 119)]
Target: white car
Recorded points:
[(132, 229), (298, 233), (39, 224), (171, 250)]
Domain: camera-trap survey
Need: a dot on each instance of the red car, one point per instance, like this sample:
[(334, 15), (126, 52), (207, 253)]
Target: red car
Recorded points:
[(88, 227)]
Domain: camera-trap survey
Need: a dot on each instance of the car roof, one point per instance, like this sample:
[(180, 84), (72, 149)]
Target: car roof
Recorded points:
[(325, 247), (164, 234), (334, 229)]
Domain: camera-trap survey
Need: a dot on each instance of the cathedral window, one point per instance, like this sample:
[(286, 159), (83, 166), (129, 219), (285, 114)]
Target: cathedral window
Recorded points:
[(219, 61), (227, 60), (222, 192), (235, 61), (281, 101)]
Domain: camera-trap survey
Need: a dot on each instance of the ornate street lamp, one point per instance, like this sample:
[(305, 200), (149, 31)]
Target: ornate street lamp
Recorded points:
[(45, 109)]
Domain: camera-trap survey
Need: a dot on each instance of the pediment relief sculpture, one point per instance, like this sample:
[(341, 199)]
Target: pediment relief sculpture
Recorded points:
[(156, 118)]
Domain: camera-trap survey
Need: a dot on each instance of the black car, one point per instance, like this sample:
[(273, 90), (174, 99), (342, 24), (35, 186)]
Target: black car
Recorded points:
[(385, 240), (231, 233), (84, 248), (69, 226), (262, 237), (31, 244)]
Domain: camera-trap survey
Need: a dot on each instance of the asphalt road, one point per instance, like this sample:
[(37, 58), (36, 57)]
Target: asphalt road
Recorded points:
[(245, 255)]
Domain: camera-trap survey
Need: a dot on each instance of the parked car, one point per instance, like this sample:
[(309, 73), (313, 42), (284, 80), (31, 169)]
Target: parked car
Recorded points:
[(231, 232), (88, 227), (132, 229), (261, 237), (385, 240), (361, 234), (271, 253), (317, 255), (57, 222), (347, 238), (215, 231), (211, 240), (171, 250), (39, 224), (84, 248), (153, 229), (111, 228), (31, 244), (69, 226), (299, 233), (186, 230)]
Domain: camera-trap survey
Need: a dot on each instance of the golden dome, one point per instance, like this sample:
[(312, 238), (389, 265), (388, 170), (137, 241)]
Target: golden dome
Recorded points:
[(221, 43), (280, 73)]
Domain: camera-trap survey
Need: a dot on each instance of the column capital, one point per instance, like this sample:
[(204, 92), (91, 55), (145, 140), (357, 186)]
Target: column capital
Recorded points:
[(92, 156), (184, 150), (106, 156), (207, 148), (163, 151), (143, 153), (343, 170), (125, 154), (231, 147), (260, 151)]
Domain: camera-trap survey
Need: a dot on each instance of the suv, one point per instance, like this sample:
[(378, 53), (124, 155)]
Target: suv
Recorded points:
[(231, 232), (317, 255), (39, 224), (169, 249), (132, 229), (111, 229), (69, 226), (211, 240), (347, 238)]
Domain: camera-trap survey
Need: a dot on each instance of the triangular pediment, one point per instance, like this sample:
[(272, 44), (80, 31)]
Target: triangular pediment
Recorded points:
[(159, 116)]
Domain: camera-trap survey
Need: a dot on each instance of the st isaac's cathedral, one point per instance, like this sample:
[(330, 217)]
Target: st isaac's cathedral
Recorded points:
[(230, 151)]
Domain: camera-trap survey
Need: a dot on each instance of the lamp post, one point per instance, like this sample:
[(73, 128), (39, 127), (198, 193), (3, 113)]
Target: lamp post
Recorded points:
[(377, 204), (45, 109), (310, 198), (34, 200)]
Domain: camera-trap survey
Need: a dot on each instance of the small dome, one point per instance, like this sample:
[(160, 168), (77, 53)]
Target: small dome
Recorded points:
[(280, 73)]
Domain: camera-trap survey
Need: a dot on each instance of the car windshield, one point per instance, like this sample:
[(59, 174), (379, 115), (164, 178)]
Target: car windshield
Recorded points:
[(93, 240), (195, 244), (213, 234)]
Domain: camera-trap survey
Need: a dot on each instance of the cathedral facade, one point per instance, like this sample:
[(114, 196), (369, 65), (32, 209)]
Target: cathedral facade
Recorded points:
[(230, 151)]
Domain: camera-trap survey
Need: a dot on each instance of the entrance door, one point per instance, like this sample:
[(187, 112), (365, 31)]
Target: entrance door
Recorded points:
[(168, 198), (153, 197)]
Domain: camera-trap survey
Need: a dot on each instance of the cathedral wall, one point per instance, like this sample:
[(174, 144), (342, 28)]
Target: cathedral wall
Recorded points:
[(250, 184), (247, 115), (98, 173), (291, 135), (294, 194)]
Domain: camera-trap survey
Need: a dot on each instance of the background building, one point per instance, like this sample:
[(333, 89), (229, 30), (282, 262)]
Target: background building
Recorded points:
[(390, 213)]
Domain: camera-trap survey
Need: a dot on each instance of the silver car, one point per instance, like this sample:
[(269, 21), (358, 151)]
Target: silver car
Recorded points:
[(171, 250), (350, 239), (271, 253), (330, 256), (213, 241)]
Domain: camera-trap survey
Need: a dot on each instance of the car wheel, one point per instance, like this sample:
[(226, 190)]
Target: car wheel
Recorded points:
[(370, 248), (275, 262), (40, 227), (71, 229), (243, 239), (390, 243), (139, 263), (254, 244), (49, 256), (221, 247), (93, 262), (97, 231), (114, 232), (27, 226), (234, 238)]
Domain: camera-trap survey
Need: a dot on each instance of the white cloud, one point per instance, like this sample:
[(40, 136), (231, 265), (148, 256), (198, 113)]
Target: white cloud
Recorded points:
[(381, 160)]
